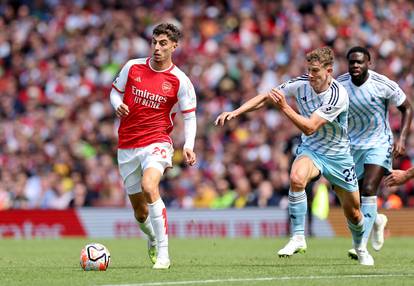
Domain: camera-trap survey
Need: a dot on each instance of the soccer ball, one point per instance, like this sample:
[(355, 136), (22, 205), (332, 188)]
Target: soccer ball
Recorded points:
[(94, 256)]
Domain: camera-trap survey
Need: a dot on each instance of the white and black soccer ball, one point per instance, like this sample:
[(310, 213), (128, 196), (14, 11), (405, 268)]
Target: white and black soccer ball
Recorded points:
[(95, 256)]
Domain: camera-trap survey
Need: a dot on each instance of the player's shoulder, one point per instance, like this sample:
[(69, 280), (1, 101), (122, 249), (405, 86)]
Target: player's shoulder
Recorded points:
[(297, 81), (138, 61), (337, 89), (303, 79), (336, 84), (178, 72), (343, 78), (182, 77), (382, 80)]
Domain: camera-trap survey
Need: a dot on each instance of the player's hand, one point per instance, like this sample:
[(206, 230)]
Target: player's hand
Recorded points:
[(398, 149), (225, 116), (278, 97), (189, 156), (122, 110), (396, 178)]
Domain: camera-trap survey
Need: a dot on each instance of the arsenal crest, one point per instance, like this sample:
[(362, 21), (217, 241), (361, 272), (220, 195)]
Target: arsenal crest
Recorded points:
[(166, 87)]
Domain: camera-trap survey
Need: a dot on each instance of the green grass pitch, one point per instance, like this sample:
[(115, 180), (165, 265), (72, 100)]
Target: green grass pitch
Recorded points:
[(206, 262)]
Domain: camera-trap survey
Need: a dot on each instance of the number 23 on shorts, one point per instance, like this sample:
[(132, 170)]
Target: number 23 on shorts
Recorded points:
[(350, 174)]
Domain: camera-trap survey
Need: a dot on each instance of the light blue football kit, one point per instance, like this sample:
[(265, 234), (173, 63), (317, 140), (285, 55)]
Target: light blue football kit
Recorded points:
[(368, 126), (369, 130), (328, 147)]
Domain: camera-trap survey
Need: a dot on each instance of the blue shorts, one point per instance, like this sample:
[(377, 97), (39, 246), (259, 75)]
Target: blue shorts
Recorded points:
[(381, 156), (338, 169)]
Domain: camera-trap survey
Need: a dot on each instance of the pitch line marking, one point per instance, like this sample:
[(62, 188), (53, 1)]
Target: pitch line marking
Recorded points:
[(261, 279)]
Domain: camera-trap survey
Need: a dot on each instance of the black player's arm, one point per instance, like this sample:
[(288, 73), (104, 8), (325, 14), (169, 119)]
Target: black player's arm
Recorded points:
[(407, 113)]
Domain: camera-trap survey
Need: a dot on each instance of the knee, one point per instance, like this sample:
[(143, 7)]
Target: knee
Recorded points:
[(297, 181), (368, 189), (148, 185)]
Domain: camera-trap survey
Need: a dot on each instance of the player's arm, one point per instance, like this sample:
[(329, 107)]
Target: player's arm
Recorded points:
[(187, 102), (190, 129), (116, 98), (117, 91), (254, 103), (406, 117), (307, 125), (398, 177)]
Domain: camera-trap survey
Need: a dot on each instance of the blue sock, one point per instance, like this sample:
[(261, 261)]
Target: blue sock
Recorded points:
[(357, 231), (369, 210), (298, 206)]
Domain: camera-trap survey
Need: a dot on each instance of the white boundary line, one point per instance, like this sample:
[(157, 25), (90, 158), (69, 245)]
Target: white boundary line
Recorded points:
[(230, 280)]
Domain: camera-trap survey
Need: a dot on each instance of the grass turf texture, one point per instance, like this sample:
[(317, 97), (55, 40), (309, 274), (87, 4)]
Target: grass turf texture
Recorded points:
[(206, 262)]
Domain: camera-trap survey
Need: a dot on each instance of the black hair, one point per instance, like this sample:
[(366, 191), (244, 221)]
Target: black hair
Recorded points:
[(172, 32), (358, 49)]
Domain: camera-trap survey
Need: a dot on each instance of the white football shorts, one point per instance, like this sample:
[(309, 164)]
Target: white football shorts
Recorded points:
[(132, 163)]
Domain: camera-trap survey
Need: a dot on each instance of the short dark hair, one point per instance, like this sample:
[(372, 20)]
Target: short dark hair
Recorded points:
[(172, 31), (358, 49)]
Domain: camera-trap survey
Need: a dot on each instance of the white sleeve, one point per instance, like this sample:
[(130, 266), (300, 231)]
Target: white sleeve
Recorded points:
[(187, 103), (116, 98), (290, 87), (397, 96), (186, 96), (333, 103), (190, 129), (392, 91), (122, 78)]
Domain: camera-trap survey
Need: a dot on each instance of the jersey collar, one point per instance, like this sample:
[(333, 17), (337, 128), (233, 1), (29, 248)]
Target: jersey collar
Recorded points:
[(166, 70)]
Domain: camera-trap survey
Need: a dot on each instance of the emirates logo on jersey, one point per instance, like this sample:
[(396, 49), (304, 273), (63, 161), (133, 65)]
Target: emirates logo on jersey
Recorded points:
[(166, 87), (147, 98)]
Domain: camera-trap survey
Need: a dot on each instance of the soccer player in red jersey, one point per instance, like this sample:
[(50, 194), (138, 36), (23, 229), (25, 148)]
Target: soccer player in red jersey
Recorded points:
[(146, 95)]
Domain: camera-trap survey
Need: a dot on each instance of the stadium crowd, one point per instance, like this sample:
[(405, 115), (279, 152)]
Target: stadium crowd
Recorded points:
[(58, 59)]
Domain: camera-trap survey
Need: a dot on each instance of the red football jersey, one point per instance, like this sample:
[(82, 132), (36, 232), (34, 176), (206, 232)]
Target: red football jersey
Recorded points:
[(153, 98)]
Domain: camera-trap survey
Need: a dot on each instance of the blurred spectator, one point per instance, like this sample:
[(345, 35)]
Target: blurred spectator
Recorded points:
[(225, 195), (204, 196), (264, 196)]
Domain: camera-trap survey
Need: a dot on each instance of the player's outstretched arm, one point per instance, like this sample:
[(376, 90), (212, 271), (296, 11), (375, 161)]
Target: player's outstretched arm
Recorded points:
[(307, 125), (254, 103), (398, 177)]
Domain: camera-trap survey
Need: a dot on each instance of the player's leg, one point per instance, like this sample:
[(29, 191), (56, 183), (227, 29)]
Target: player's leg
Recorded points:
[(309, 195), (375, 162), (156, 159), (130, 170), (339, 170), (140, 207), (150, 185), (303, 170), (373, 175), (351, 208)]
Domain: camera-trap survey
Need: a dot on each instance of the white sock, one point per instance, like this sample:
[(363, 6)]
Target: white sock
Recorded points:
[(158, 216), (357, 230), (147, 228)]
